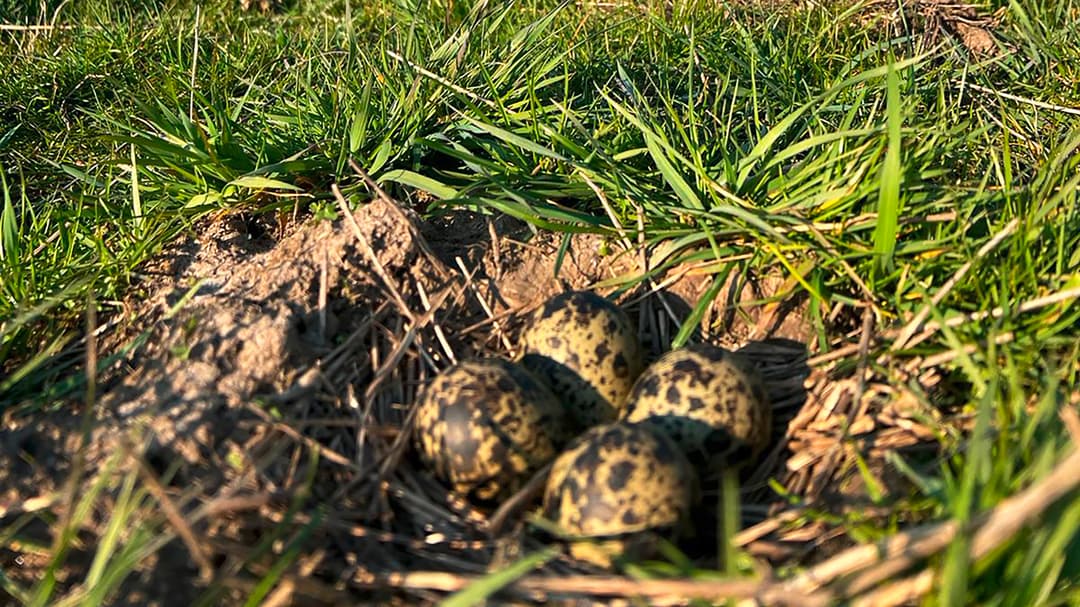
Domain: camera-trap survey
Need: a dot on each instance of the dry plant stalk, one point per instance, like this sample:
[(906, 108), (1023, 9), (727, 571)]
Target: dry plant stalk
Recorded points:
[(658, 592)]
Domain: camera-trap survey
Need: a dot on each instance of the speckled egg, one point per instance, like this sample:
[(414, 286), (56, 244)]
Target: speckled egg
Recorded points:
[(588, 352), (709, 400), (483, 426), (622, 486)]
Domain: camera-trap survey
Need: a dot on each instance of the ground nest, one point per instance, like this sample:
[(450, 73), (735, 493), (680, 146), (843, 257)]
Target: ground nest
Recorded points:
[(268, 400)]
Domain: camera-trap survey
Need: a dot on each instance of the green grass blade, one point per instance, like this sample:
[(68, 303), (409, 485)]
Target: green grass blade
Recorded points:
[(109, 540), (516, 140), (420, 182), (889, 203), (671, 176), (480, 590), (9, 226), (292, 552), (136, 196), (259, 183), (693, 321)]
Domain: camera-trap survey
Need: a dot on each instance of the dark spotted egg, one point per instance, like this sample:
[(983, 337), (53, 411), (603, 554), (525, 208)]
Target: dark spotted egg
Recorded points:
[(617, 489), (588, 352), (709, 400), (483, 426)]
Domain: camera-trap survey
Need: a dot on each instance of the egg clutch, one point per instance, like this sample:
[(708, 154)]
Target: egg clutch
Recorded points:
[(628, 443)]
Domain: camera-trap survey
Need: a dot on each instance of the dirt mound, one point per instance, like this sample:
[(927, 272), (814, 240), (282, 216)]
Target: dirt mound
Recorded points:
[(273, 387)]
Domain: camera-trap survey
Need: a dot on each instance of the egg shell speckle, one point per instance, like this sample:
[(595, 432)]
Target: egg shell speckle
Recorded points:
[(709, 400), (615, 481), (587, 349), (484, 425)]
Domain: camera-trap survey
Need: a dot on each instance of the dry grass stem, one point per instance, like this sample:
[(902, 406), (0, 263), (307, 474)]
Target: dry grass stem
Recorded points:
[(373, 258), (1013, 513), (937, 360), (906, 591), (863, 219), (307, 441), (1071, 419), (598, 587), (324, 288), (388, 366), (1027, 100), (440, 335), (13, 27), (760, 530), (74, 479), (643, 259), (414, 231), (520, 499), (443, 81), (1027, 306), (471, 287)]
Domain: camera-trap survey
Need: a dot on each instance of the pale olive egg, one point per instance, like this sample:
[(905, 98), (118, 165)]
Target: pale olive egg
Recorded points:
[(617, 489), (709, 400), (483, 426), (587, 350)]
